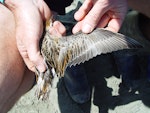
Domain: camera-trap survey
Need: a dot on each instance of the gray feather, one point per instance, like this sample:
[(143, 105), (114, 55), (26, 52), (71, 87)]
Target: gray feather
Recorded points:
[(86, 46)]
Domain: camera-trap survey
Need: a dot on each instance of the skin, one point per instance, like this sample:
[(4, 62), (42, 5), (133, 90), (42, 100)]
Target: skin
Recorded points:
[(21, 26), (15, 78), (100, 13), (19, 47), (93, 13), (18, 57), (29, 29)]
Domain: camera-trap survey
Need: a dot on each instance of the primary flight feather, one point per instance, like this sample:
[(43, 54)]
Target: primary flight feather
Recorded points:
[(60, 53)]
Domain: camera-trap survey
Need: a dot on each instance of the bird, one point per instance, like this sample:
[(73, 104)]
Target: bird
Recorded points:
[(71, 50)]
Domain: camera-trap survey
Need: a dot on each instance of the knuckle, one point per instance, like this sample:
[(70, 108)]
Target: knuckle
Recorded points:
[(92, 19)]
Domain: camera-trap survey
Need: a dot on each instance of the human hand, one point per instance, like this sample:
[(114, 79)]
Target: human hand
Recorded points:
[(57, 29), (29, 16), (100, 13)]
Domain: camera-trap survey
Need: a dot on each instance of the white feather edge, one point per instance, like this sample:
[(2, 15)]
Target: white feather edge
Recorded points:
[(101, 41)]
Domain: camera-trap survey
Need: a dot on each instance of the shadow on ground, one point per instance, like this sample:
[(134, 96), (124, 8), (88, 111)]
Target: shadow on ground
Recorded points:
[(98, 71)]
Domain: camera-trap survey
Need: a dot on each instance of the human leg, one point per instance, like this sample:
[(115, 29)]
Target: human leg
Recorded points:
[(15, 79)]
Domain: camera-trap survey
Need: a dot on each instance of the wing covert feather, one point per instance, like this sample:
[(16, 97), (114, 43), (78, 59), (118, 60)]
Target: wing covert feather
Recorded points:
[(86, 46)]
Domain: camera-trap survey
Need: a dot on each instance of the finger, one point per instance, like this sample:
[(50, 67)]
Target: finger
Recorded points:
[(114, 24), (60, 28), (35, 56), (24, 54), (57, 29), (44, 9), (83, 10), (29, 64), (92, 18), (77, 27), (103, 21)]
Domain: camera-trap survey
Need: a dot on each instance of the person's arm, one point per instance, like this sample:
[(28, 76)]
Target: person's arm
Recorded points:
[(142, 6)]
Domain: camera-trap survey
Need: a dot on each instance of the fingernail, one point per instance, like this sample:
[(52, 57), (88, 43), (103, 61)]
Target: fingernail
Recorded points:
[(87, 28)]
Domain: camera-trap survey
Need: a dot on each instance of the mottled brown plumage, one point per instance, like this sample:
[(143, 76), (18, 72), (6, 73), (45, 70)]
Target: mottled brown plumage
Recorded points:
[(75, 49)]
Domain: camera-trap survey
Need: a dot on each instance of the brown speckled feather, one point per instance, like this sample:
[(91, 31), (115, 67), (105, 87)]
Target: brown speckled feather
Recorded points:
[(75, 49)]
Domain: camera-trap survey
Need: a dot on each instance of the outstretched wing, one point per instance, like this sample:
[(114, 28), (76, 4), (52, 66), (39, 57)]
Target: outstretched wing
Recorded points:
[(86, 46)]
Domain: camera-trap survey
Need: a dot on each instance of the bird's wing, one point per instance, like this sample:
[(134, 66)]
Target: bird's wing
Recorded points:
[(83, 47)]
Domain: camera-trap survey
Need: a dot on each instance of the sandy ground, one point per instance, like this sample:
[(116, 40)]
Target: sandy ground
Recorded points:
[(107, 95)]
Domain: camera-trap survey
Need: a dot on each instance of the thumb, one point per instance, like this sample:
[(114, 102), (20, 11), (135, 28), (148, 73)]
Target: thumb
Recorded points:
[(36, 57), (45, 10), (31, 55)]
